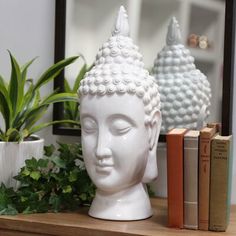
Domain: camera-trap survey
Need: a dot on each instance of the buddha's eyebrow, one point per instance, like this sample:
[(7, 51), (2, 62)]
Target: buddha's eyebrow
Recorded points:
[(121, 116), (87, 115)]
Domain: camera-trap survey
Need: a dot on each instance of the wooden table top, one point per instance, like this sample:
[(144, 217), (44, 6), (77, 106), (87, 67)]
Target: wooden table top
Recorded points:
[(80, 223)]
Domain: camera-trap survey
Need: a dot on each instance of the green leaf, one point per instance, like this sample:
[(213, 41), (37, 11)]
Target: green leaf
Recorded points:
[(23, 81), (54, 200), (23, 199), (30, 100), (35, 175), (5, 104), (67, 189), (61, 97), (3, 197), (73, 176), (25, 68), (53, 71), (6, 195), (59, 162), (23, 134), (80, 76), (71, 110), (31, 163), (151, 193), (67, 87), (43, 163), (27, 211), (10, 210), (83, 196), (44, 125), (16, 88), (12, 134), (34, 116), (48, 150), (25, 172)]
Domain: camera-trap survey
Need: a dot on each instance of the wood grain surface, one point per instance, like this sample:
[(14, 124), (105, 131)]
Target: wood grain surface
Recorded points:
[(79, 223)]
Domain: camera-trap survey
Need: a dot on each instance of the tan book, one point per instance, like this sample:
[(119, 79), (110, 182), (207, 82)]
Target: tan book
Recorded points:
[(220, 182), (217, 125), (206, 135), (191, 142)]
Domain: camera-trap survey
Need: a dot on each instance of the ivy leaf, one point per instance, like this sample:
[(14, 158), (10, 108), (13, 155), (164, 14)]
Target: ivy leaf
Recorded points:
[(35, 175), (43, 163), (28, 211), (83, 196), (56, 177), (9, 210), (54, 200), (59, 162), (5, 196), (31, 163), (23, 199), (67, 189), (73, 176), (48, 150), (25, 172)]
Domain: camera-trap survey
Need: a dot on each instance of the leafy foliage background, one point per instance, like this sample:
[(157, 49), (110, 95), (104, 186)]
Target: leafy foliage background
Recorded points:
[(58, 182)]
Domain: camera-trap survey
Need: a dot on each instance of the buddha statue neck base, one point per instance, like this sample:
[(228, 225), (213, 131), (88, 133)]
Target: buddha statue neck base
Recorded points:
[(129, 204)]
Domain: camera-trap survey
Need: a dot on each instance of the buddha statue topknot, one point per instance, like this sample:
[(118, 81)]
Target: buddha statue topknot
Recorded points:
[(185, 91), (120, 120)]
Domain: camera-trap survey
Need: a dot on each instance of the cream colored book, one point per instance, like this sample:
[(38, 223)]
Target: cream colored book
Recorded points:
[(191, 143)]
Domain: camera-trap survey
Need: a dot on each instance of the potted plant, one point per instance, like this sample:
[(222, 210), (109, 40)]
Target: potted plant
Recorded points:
[(21, 107)]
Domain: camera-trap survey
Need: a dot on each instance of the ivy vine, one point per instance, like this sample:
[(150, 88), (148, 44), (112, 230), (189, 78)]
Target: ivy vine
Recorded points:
[(58, 182)]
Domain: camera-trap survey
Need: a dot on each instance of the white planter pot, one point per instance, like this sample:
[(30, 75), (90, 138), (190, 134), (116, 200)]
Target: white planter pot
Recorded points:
[(13, 156)]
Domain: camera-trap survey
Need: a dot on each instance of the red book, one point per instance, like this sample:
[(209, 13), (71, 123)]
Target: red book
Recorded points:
[(175, 181)]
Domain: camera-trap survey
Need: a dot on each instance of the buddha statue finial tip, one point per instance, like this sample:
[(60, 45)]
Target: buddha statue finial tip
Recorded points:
[(173, 35), (121, 26)]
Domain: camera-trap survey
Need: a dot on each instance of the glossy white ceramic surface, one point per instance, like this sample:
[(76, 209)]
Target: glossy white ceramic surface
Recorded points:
[(185, 91), (120, 119)]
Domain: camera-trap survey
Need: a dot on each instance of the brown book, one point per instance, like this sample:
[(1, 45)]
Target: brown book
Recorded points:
[(191, 142), (175, 145), (220, 182), (206, 135)]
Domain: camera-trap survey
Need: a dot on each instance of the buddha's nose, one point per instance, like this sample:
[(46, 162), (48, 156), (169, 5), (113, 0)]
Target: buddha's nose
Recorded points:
[(102, 148)]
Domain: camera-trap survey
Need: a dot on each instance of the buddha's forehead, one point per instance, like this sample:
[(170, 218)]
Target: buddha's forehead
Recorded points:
[(111, 105)]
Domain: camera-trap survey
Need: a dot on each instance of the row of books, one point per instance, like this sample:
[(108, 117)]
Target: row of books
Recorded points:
[(199, 174)]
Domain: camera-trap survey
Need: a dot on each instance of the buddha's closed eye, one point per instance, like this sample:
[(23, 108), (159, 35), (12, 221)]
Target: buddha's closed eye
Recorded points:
[(120, 127), (89, 125)]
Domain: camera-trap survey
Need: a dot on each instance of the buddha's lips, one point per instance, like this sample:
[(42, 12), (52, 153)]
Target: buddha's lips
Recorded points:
[(104, 163)]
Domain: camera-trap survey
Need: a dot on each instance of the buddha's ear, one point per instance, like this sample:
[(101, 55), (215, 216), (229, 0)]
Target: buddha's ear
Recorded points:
[(154, 127)]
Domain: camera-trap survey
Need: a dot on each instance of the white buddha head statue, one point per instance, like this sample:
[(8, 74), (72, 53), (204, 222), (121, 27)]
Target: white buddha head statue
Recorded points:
[(120, 120), (184, 90)]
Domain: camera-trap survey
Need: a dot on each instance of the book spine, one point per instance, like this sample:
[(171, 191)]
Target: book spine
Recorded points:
[(175, 180), (219, 185), (191, 183), (204, 181)]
